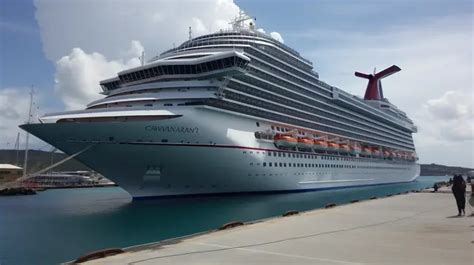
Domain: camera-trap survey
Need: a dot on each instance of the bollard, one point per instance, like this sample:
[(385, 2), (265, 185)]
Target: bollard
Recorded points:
[(99, 254), (290, 213), (231, 225)]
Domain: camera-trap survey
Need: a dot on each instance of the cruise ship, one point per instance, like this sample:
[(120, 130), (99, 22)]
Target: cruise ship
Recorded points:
[(235, 111)]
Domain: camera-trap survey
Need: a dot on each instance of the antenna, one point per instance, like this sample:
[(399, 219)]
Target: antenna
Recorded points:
[(239, 22), (190, 33), (17, 149), (142, 59), (25, 163)]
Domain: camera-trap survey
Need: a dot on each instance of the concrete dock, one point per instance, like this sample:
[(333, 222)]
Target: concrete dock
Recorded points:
[(414, 228)]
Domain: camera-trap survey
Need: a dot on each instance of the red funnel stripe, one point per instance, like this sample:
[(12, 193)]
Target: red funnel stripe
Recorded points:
[(374, 88)]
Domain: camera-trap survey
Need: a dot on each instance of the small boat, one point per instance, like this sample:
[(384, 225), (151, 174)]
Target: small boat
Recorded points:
[(305, 143), (366, 151), (386, 154), (320, 145), (333, 147), (376, 152), (285, 140), (344, 148)]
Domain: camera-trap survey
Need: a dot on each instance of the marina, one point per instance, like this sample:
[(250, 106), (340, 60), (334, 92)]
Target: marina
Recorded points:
[(98, 218)]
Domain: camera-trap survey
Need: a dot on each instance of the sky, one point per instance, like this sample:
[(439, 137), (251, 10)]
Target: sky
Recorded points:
[(63, 48)]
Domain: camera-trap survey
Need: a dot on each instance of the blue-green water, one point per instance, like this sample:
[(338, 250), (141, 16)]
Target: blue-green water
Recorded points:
[(60, 225)]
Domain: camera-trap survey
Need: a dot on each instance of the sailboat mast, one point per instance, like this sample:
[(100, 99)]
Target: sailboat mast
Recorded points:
[(25, 164)]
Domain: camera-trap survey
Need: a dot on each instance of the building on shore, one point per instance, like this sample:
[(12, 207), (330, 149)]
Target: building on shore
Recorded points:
[(9, 173)]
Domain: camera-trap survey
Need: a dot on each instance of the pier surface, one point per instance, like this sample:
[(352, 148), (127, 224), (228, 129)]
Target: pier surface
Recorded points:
[(415, 228)]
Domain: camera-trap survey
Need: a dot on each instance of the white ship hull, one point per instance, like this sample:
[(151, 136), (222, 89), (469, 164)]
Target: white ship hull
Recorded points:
[(209, 151)]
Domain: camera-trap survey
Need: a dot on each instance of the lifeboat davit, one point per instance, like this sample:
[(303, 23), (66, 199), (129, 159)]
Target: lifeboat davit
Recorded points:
[(305, 143), (366, 151), (376, 152), (333, 147), (285, 140), (355, 149), (320, 145), (344, 148), (386, 154)]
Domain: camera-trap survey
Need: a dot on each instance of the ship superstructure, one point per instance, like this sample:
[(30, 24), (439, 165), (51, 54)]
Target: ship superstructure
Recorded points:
[(235, 111)]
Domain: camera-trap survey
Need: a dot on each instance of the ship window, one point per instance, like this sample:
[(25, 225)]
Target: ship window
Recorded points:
[(187, 69), (269, 164), (215, 65), (284, 164), (258, 124), (281, 164), (294, 164), (279, 154), (269, 153), (264, 164), (289, 164), (168, 104), (148, 105)]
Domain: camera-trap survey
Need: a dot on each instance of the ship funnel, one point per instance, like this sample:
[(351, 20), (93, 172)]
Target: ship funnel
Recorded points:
[(374, 87)]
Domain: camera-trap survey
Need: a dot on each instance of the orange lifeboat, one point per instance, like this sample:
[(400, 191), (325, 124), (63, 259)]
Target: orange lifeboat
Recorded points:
[(285, 140), (333, 147), (320, 145), (366, 151), (376, 152), (344, 148), (386, 154), (305, 143)]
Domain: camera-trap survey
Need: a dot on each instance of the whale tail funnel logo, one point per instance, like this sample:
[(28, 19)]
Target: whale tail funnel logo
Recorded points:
[(374, 87)]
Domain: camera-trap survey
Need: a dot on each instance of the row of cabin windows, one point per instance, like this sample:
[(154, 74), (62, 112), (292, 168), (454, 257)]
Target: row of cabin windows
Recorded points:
[(280, 118), (299, 114), (311, 165), (298, 80), (184, 69), (327, 115), (313, 79), (291, 90), (311, 156), (276, 80)]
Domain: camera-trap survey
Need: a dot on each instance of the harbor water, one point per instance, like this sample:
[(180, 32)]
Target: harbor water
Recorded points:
[(59, 225)]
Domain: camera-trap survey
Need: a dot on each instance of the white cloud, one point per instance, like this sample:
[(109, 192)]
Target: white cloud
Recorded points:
[(451, 115), (453, 105), (277, 36), (89, 48), (105, 26), (14, 108), (78, 74)]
